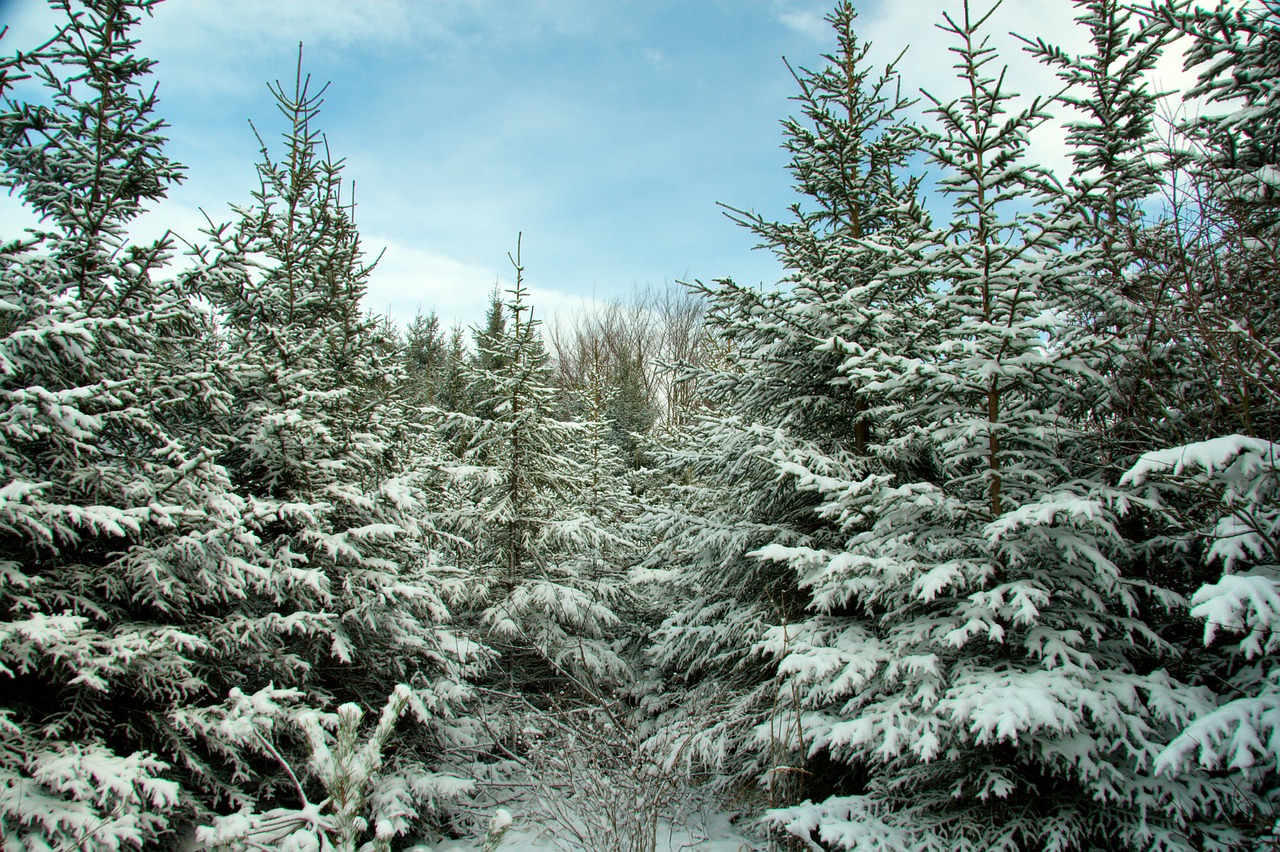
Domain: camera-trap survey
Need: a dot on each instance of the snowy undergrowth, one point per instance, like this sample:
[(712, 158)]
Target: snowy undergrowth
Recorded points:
[(586, 777), (364, 800), (706, 831)]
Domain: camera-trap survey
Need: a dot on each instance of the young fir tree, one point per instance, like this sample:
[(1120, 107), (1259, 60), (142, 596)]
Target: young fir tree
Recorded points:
[(787, 396), (453, 382), (541, 589), (488, 357), (317, 440), (127, 560), (1119, 167), (992, 674), (424, 358), (609, 499)]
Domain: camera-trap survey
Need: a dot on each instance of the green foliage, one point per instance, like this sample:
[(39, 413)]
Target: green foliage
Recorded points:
[(963, 538), (540, 513), (321, 441), (123, 547)]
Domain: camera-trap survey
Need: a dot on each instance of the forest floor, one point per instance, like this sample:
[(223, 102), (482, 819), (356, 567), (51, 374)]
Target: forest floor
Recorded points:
[(713, 832)]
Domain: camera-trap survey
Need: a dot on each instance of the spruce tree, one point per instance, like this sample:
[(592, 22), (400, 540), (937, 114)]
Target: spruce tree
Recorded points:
[(995, 672), (126, 554), (1120, 169), (968, 660), (541, 589), (424, 354), (336, 465), (796, 390)]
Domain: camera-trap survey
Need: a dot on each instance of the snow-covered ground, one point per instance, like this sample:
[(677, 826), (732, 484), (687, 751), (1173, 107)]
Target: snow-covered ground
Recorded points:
[(705, 833)]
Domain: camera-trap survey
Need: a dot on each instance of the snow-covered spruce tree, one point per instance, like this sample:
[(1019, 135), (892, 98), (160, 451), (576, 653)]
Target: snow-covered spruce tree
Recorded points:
[(609, 498), (1217, 495), (541, 587), (125, 556), (980, 665), (487, 358), (1155, 391), (784, 397), (1235, 49), (1231, 485), (1151, 391), (318, 441), (1173, 273), (425, 359), (1120, 167)]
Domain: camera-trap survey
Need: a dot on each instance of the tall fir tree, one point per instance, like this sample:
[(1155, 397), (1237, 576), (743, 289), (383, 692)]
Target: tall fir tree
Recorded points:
[(974, 668), (1002, 675), (338, 467), (425, 358), (787, 395), (542, 591), (1120, 169), (127, 556)]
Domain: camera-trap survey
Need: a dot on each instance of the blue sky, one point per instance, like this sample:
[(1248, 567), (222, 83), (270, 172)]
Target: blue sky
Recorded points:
[(604, 130)]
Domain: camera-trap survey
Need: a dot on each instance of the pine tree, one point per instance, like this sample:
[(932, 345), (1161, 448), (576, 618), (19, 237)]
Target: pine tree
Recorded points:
[(124, 549), (799, 388), (1120, 167), (987, 671), (425, 354), (336, 466), (541, 590)]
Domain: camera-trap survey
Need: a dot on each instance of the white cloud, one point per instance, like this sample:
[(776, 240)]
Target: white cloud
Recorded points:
[(407, 280), (219, 28), (808, 22)]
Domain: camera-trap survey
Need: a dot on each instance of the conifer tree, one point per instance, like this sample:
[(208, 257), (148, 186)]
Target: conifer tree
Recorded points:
[(488, 357), (126, 555), (318, 440), (1120, 165), (453, 380), (425, 358), (799, 388), (541, 589), (966, 662), (988, 672)]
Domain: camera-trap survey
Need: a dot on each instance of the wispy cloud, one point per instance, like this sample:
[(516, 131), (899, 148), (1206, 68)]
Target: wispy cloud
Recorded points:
[(408, 280), (808, 20)]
